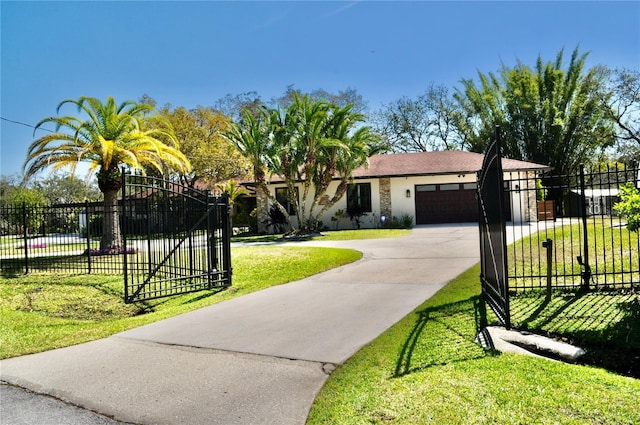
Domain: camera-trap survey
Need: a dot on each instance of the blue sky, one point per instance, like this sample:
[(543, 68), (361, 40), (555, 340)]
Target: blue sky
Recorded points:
[(193, 53)]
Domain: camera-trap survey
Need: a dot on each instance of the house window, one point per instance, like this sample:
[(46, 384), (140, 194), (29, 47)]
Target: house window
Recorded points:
[(359, 196), (283, 199)]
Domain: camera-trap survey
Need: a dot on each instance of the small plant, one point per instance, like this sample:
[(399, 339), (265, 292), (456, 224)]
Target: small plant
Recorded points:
[(276, 218), (404, 222), (337, 216), (541, 191), (356, 213)]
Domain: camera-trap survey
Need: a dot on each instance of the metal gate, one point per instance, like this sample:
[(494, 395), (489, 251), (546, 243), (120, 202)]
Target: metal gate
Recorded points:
[(493, 245), (177, 239)]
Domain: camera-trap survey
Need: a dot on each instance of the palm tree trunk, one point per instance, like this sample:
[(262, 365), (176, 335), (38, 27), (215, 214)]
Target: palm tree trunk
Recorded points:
[(111, 236)]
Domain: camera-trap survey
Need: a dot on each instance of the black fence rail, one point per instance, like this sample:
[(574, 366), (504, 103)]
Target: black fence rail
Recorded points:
[(62, 238), (567, 233)]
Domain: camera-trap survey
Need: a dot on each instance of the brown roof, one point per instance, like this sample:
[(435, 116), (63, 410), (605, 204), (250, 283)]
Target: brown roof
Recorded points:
[(433, 163), (430, 163)]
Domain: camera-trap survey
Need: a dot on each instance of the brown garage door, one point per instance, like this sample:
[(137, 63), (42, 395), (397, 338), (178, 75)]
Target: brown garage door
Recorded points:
[(446, 203)]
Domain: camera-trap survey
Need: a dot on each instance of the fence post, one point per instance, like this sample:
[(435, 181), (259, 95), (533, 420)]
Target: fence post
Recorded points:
[(226, 237), (123, 233), (88, 232), (24, 238), (584, 262), (548, 244)]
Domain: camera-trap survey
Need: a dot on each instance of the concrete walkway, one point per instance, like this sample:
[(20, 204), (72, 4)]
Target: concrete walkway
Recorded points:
[(257, 359)]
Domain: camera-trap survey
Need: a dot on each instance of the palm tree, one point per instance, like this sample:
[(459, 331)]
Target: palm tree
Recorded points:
[(109, 137), (254, 138), (233, 191)]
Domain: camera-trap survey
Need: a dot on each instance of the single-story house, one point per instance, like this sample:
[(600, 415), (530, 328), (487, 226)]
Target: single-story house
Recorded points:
[(431, 187)]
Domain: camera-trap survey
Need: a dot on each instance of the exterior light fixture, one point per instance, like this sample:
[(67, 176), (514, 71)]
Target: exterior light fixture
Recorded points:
[(408, 193)]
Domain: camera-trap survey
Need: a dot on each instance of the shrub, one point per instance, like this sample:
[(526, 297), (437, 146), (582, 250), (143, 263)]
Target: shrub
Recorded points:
[(404, 222), (629, 206)]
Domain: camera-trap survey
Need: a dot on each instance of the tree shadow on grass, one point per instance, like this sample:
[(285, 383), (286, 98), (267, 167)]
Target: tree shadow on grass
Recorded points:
[(441, 335)]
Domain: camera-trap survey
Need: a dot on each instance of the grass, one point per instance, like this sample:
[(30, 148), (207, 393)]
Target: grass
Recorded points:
[(43, 311), (613, 255), (428, 369)]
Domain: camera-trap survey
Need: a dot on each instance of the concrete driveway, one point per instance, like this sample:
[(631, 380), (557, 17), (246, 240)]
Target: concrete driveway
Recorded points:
[(257, 359)]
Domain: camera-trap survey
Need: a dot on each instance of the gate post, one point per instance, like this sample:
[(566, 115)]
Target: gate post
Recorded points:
[(226, 238), (584, 262), (25, 238)]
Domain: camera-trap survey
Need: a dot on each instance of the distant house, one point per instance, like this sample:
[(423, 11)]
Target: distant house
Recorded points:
[(431, 187), (598, 201)]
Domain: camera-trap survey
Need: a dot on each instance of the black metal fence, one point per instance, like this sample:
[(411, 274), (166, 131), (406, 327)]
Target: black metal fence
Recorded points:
[(567, 234), (179, 238), (175, 239), (61, 238)]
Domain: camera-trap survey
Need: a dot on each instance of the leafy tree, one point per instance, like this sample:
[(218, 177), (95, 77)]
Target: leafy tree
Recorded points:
[(107, 137), (233, 105), (548, 114), (19, 197), (625, 104), (66, 189), (349, 96), (213, 159), (426, 123)]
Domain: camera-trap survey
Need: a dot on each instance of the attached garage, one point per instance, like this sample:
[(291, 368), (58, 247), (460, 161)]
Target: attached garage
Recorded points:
[(446, 203)]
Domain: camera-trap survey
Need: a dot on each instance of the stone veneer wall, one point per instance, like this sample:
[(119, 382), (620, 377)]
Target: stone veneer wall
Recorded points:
[(385, 197), (531, 209)]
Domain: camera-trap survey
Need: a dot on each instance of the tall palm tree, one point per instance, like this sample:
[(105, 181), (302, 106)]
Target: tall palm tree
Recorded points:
[(110, 136)]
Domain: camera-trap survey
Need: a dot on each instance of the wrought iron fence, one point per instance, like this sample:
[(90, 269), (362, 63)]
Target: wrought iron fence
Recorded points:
[(175, 239), (568, 234), (62, 238), (180, 237)]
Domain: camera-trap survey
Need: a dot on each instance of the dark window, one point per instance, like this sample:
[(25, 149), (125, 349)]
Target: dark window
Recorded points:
[(359, 197), (281, 196)]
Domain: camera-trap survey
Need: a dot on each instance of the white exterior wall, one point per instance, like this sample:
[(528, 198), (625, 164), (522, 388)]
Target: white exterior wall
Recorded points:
[(400, 203), (368, 221)]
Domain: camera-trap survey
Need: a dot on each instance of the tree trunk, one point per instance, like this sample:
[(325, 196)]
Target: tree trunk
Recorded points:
[(111, 236)]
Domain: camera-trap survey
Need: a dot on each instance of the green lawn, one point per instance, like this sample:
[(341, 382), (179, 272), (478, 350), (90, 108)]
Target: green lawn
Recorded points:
[(613, 250), (41, 311), (428, 369)]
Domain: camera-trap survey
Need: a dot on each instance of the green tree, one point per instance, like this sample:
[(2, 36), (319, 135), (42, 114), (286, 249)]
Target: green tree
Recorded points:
[(342, 98), (65, 188), (629, 206), (25, 207), (625, 104), (548, 114), (199, 132), (311, 141), (234, 191), (107, 137)]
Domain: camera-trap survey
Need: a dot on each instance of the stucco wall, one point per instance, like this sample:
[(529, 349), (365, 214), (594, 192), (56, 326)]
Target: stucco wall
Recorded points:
[(371, 220), (389, 198)]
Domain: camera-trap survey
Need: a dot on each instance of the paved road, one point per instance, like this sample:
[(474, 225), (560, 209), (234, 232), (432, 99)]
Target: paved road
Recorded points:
[(258, 359)]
